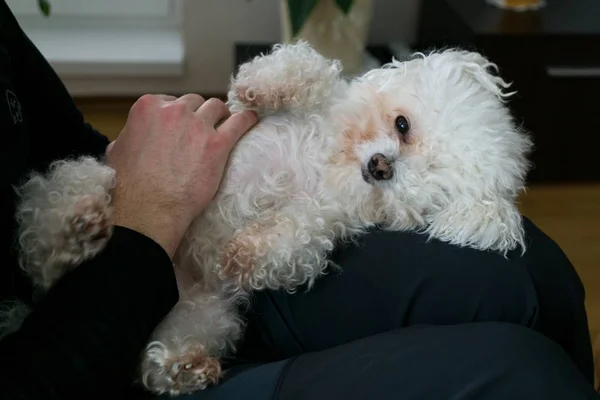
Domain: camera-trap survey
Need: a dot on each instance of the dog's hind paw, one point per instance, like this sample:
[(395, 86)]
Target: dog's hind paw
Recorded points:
[(238, 262), (194, 372), (184, 374)]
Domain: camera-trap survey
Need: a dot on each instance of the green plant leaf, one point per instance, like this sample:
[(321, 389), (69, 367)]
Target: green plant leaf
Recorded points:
[(344, 5), (45, 7), (299, 11)]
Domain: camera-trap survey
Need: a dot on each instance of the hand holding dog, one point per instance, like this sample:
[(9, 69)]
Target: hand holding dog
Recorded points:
[(169, 161)]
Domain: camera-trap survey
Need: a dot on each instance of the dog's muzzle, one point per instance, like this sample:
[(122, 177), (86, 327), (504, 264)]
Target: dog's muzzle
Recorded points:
[(379, 168)]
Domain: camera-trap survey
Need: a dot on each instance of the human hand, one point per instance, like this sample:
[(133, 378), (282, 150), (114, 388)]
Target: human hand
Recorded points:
[(169, 161)]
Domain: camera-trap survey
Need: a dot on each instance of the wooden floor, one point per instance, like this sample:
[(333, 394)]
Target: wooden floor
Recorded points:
[(571, 216), (568, 214)]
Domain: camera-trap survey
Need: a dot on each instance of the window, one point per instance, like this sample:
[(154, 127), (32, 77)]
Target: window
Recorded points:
[(100, 38), (96, 8)]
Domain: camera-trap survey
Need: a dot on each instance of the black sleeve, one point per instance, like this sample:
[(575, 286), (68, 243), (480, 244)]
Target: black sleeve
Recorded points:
[(84, 339), (57, 127)]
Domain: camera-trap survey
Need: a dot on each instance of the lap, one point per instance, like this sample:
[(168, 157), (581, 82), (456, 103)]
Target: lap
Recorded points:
[(394, 280), (477, 360)]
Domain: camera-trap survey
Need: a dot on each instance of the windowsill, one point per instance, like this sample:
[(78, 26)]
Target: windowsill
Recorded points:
[(96, 52)]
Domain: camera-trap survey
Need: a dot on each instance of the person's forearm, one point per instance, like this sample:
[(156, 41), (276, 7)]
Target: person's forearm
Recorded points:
[(85, 337)]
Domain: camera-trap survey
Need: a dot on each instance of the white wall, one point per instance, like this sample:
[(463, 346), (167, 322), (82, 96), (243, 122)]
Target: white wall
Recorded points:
[(213, 26)]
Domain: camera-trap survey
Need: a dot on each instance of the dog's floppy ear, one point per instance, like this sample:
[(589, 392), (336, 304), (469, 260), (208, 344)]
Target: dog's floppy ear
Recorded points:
[(485, 222), (474, 65), (475, 201)]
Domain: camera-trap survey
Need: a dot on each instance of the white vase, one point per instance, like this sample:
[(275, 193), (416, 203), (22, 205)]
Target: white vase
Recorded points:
[(334, 34), (518, 5)]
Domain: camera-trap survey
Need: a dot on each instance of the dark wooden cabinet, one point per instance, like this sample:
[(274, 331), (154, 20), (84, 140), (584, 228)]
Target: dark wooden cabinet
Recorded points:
[(552, 56)]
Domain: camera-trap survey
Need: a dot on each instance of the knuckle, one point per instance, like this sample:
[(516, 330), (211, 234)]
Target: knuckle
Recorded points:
[(215, 146), (146, 99), (211, 141), (144, 103), (214, 102), (194, 96), (217, 103), (139, 103), (174, 109)]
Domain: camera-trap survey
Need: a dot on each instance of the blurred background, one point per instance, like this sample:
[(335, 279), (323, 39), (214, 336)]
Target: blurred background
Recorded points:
[(109, 52)]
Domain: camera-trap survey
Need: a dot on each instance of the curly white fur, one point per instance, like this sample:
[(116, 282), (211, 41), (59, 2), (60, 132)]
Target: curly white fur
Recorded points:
[(299, 183)]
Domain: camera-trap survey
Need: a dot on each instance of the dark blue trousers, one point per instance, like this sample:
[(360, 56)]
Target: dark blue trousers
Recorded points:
[(486, 360), (411, 319)]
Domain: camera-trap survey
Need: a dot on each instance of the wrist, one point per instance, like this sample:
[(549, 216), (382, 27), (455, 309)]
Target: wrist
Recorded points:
[(164, 227)]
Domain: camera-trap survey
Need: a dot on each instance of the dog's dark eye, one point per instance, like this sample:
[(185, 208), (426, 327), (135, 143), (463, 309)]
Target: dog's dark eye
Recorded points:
[(402, 125)]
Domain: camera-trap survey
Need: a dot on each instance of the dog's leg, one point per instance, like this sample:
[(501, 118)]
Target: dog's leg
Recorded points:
[(285, 252), (63, 217), (290, 77), (183, 356)]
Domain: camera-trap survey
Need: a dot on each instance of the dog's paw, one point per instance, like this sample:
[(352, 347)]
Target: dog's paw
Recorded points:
[(246, 260), (79, 235), (253, 98), (255, 93), (184, 374), (87, 229), (194, 371)]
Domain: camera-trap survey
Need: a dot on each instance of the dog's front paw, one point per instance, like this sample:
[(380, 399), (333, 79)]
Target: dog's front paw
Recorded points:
[(87, 229), (256, 93), (63, 218), (254, 98), (183, 374)]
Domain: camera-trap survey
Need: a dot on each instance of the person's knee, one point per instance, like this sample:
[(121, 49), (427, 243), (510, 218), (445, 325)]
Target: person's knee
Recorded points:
[(495, 361), (526, 361), (513, 346)]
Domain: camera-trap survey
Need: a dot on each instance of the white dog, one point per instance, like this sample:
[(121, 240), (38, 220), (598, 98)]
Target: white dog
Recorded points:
[(425, 145)]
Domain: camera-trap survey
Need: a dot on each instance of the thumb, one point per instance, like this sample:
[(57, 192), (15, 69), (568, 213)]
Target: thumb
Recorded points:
[(109, 147)]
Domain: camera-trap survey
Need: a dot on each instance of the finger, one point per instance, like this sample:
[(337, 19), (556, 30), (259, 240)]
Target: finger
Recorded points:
[(213, 111), (237, 125), (109, 147), (165, 97), (151, 100), (108, 152), (192, 100)]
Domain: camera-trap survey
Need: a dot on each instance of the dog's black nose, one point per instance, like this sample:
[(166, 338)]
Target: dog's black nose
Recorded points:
[(380, 168)]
